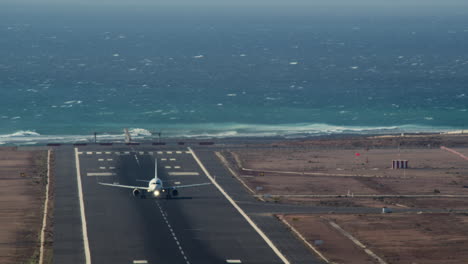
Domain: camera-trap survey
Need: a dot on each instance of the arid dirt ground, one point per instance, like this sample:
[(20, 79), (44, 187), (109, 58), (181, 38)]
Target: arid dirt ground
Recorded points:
[(396, 238), (22, 181), (356, 171)]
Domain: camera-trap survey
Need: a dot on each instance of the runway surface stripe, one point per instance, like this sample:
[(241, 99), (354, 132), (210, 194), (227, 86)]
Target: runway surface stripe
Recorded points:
[(233, 261), (173, 234), (140, 262), (46, 206), (89, 153), (233, 203), (100, 159), (176, 167), (184, 173), (108, 152), (100, 174), (82, 210), (98, 152)]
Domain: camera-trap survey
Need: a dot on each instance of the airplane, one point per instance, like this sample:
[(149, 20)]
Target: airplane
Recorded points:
[(155, 186)]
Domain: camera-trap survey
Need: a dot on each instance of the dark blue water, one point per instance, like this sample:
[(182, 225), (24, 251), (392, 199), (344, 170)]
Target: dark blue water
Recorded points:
[(230, 74)]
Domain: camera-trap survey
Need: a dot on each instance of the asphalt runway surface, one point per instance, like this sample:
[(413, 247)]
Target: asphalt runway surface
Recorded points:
[(198, 226)]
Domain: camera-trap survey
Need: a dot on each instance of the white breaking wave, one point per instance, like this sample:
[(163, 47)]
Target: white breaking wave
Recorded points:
[(218, 130), (137, 132), (21, 133)]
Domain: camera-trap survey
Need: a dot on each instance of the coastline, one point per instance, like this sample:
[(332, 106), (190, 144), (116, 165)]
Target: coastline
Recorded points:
[(32, 138)]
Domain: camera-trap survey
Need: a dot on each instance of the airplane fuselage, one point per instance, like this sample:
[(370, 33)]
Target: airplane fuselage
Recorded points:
[(155, 187)]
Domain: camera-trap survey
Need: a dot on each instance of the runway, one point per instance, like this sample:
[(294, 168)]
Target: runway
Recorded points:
[(198, 226)]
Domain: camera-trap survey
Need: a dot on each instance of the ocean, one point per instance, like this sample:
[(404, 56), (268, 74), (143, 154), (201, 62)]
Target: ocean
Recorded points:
[(65, 74)]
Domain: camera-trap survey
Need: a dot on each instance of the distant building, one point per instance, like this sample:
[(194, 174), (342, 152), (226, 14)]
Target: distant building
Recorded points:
[(399, 164)]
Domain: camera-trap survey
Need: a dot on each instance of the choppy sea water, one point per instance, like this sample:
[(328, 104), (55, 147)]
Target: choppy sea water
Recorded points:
[(63, 77)]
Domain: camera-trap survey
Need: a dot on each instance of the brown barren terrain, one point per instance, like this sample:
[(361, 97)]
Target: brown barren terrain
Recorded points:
[(22, 181), (350, 172), (395, 238), (357, 172)]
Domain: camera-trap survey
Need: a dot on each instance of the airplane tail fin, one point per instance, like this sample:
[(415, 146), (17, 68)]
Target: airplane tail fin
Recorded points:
[(156, 168)]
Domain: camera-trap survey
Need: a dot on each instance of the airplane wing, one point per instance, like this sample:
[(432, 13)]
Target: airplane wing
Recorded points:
[(124, 186), (186, 186)]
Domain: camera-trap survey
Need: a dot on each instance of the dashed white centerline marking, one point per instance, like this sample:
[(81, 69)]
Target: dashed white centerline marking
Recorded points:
[(89, 152), (167, 167), (102, 168), (172, 159), (142, 153), (163, 159), (111, 168), (179, 152), (160, 152), (173, 234), (188, 152), (109, 159), (176, 167), (151, 152), (140, 262), (98, 152), (127, 152), (176, 183), (233, 261), (100, 159), (79, 153), (117, 153), (108, 152), (169, 152)]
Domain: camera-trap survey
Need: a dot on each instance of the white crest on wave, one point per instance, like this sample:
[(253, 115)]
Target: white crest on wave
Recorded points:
[(21, 133), (139, 132)]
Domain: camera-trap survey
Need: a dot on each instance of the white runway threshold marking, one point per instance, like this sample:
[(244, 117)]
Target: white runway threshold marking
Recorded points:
[(100, 174), (183, 173), (246, 217), (82, 210)]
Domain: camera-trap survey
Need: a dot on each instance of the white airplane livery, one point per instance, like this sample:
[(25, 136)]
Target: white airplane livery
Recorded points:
[(155, 186)]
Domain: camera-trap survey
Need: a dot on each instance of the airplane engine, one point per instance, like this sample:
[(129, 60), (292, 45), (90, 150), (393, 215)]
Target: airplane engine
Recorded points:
[(136, 192), (175, 192)]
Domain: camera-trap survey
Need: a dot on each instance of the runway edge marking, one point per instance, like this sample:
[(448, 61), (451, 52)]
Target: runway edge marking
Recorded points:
[(301, 237), (234, 204), (82, 211), (46, 208)]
